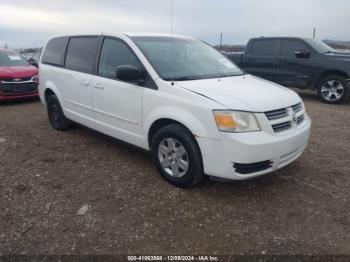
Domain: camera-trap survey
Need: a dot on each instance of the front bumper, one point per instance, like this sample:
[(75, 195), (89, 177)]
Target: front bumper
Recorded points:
[(228, 156), (18, 90), (18, 96)]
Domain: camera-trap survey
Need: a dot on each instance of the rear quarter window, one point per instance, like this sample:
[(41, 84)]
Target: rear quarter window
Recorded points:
[(264, 47), (81, 54), (54, 51)]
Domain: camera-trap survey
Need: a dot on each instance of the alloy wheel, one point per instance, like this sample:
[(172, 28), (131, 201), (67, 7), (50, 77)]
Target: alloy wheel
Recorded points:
[(332, 90), (173, 157)]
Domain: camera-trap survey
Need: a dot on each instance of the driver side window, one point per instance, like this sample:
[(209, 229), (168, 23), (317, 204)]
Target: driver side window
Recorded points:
[(289, 47), (113, 54)]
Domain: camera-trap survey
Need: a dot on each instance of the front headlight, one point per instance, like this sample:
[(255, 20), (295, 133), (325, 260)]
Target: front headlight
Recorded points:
[(236, 121), (35, 78)]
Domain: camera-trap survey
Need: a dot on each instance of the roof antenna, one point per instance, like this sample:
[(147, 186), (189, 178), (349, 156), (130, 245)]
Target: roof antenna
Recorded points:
[(171, 33)]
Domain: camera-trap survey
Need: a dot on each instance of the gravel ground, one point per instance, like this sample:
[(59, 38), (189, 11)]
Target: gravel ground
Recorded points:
[(48, 177)]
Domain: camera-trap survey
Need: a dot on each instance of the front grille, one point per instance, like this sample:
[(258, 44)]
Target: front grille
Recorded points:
[(297, 108), (281, 127), (13, 89), (245, 169), (17, 79), (300, 119), (286, 118), (276, 114)]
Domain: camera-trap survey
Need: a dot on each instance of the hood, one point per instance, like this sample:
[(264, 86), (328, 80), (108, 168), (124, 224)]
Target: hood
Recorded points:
[(17, 71), (246, 93), (339, 55)]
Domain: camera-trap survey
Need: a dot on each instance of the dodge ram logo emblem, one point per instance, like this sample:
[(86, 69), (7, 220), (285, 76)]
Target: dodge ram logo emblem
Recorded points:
[(294, 118)]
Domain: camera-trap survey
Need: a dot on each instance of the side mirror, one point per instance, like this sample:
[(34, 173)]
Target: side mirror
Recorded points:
[(33, 62), (302, 54), (130, 73)]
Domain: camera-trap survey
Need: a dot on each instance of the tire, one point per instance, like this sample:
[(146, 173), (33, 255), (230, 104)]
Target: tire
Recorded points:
[(333, 89), (56, 116), (172, 147)]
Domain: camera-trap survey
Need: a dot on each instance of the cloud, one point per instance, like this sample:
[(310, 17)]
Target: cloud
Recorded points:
[(23, 21), (240, 20), (92, 19)]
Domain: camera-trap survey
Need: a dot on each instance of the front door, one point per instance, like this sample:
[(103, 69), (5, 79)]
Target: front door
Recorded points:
[(295, 71), (117, 105)]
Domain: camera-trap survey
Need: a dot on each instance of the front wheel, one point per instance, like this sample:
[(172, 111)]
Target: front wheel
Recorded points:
[(177, 156), (56, 116), (333, 90)]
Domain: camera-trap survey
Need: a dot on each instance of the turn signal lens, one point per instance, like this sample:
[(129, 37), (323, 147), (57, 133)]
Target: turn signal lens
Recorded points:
[(224, 120), (236, 121)]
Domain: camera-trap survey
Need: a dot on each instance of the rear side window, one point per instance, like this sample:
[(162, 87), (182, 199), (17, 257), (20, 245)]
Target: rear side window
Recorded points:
[(264, 47), (81, 54), (289, 47), (54, 51), (115, 53)]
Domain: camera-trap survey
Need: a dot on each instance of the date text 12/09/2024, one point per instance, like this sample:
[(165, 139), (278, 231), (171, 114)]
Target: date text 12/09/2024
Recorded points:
[(173, 258)]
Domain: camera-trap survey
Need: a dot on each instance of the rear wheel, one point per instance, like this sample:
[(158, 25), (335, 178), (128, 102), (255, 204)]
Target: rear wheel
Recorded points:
[(56, 116), (333, 90), (177, 156)]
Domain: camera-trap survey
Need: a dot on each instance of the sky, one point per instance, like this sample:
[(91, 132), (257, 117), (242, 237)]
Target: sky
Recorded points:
[(28, 23)]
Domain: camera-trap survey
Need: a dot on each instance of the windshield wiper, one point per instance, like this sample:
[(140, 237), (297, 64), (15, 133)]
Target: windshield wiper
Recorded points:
[(188, 78), (182, 78), (229, 75), (185, 78)]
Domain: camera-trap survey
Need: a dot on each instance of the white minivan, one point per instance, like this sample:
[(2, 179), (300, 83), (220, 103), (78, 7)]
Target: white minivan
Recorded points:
[(176, 96)]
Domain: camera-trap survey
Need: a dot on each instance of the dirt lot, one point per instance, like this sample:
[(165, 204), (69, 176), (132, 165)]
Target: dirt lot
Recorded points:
[(47, 176)]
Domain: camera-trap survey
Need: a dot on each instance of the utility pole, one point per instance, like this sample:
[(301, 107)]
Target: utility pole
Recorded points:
[(314, 32), (220, 41)]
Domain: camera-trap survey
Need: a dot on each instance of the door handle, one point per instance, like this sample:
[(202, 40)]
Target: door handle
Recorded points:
[(84, 82), (251, 60), (98, 86)]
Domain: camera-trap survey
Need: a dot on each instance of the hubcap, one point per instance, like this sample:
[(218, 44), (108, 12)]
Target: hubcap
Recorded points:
[(332, 90), (173, 157)]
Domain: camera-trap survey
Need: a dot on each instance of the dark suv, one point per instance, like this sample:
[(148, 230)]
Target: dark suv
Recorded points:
[(297, 62)]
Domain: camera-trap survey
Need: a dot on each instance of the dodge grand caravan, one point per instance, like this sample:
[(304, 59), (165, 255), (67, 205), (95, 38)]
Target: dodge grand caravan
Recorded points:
[(176, 96)]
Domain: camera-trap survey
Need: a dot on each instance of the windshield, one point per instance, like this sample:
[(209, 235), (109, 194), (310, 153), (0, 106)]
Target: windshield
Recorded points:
[(8, 58), (320, 46), (183, 59)]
